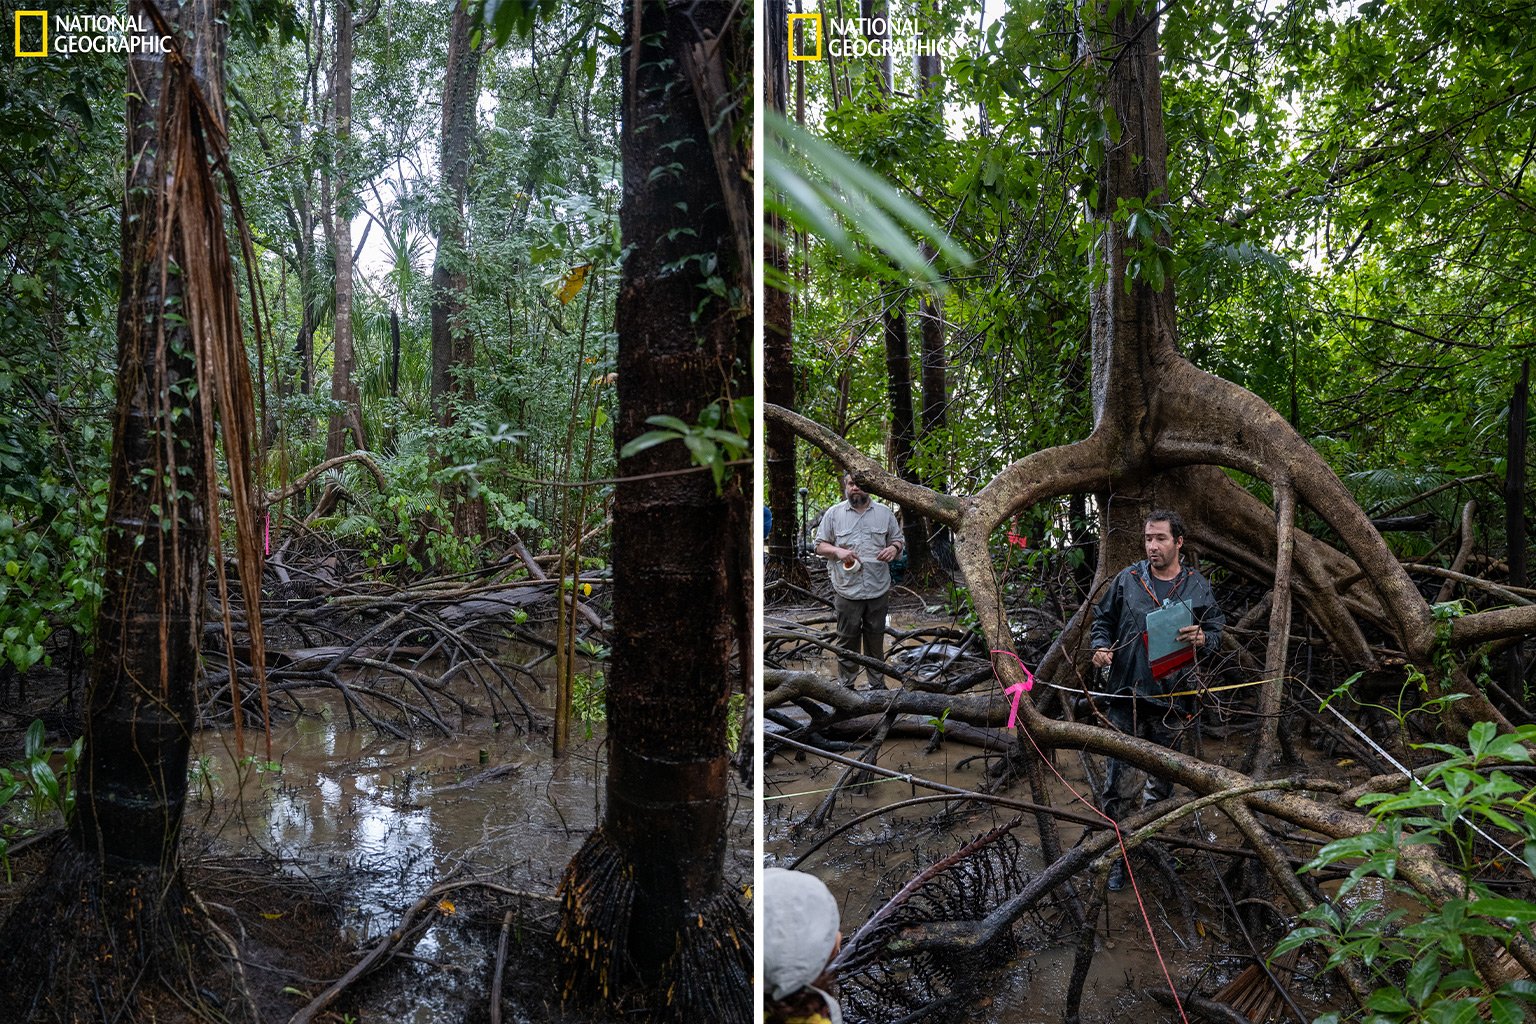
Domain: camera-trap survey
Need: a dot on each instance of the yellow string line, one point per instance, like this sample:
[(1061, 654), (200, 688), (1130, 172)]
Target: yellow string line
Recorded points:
[(829, 789), (1161, 696)]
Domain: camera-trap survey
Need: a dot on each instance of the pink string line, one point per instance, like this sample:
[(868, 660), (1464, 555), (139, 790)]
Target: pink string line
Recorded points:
[(266, 532), (1019, 689)]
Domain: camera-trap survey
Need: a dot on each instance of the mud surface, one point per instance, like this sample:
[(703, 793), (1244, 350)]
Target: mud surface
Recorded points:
[(375, 822), (867, 864), (309, 857)]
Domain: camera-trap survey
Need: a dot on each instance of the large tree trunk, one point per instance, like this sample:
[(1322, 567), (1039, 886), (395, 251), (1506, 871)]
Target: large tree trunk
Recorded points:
[(647, 916), (1514, 512), (111, 918), (778, 350), (1162, 429), (898, 390), (343, 369), (934, 373), (453, 350), (902, 436)]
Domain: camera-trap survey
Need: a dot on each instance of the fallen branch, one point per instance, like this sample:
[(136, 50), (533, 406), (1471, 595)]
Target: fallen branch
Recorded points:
[(283, 493)]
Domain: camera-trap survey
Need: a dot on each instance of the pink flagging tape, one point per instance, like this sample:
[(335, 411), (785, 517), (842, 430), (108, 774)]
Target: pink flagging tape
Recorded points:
[(1018, 689)]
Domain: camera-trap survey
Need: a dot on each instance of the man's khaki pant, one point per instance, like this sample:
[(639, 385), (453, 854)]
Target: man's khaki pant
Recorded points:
[(861, 628)]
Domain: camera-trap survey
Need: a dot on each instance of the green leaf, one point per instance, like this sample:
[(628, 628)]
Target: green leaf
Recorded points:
[(1505, 1011), (1523, 988), (824, 189), (1422, 978), (670, 422), (34, 743), (46, 783), (649, 439), (1386, 1000), (1505, 909)]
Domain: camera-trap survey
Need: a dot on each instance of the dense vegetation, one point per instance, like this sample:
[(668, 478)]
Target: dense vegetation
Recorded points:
[(1265, 265), (357, 271), (1347, 223), (539, 266)]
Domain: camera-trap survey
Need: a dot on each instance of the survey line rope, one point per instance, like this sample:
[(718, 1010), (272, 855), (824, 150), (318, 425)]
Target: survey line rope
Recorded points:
[(1017, 690), (833, 789), (1151, 696), (1413, 779)]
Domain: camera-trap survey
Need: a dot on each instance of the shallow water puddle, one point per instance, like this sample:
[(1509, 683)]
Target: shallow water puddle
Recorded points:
[(381, 819)]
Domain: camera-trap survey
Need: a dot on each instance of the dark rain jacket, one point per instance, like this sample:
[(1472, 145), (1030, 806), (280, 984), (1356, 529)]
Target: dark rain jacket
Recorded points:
[(1120, 618)]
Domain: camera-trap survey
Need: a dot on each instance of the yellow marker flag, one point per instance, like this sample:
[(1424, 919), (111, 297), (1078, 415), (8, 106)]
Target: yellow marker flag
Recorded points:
[(572, 283)]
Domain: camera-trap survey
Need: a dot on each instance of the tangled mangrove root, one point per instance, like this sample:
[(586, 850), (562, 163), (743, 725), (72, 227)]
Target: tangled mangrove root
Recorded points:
[(932, 983), (707, 977), (597, 896), (88, 945)]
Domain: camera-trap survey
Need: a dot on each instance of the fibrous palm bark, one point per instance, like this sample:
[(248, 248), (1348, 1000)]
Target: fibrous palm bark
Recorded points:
[(647, 915), (112, 903)]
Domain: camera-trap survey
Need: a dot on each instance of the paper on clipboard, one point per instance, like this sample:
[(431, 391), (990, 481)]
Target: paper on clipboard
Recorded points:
[(1165, 652)]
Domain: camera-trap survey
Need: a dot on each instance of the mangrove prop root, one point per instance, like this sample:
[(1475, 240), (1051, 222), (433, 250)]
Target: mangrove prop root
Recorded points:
[(597, 896), (85, 939), (501, 965), (708, 976), (881, 983)]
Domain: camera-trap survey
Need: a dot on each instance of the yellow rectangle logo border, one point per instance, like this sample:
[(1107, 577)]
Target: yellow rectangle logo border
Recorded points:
[(815, 19), (29, 53)]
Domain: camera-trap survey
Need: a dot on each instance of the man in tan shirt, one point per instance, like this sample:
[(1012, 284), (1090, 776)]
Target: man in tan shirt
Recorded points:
[(860, 539)]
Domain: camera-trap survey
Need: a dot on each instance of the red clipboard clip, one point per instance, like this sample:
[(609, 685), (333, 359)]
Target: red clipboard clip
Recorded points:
[(1169, 663)]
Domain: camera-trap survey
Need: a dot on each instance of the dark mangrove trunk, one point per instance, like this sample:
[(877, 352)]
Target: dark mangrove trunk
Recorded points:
[(453, 349), (648, 919), (778, 350), (110, 918)]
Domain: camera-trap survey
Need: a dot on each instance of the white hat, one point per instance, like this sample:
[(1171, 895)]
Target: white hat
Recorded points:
[(800, 927)]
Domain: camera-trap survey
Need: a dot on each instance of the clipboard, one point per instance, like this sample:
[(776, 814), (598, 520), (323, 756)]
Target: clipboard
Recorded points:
[(1165, 653)]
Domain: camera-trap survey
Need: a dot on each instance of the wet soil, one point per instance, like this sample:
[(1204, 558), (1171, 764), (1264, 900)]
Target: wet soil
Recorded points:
[(309, 857), (867, 864)]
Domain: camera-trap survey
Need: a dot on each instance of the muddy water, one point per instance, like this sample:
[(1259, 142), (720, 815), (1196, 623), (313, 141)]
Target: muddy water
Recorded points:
[(867, 864), (380, 820)]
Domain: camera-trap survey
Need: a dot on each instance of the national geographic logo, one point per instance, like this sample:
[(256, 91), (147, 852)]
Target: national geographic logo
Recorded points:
[(806, 44), (811, 37), (85, 33), (31, 33)]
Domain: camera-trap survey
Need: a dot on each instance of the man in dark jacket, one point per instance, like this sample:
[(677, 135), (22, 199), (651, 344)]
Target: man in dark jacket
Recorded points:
[(1119, 644)]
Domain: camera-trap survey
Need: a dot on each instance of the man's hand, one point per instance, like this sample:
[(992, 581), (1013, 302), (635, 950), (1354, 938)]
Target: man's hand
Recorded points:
[(888, 553), (1102, 657), (1192, 635), (826, 549)]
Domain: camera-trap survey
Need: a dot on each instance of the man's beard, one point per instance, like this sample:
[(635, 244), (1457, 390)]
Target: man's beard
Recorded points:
[(858, 500)]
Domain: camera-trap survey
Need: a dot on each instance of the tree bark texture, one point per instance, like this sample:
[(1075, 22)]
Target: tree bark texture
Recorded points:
[(1514, 511), (898, 390), (1273, 694), (453, 347), (682, 942), (111, 916), (778, 353), (343, 368)]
